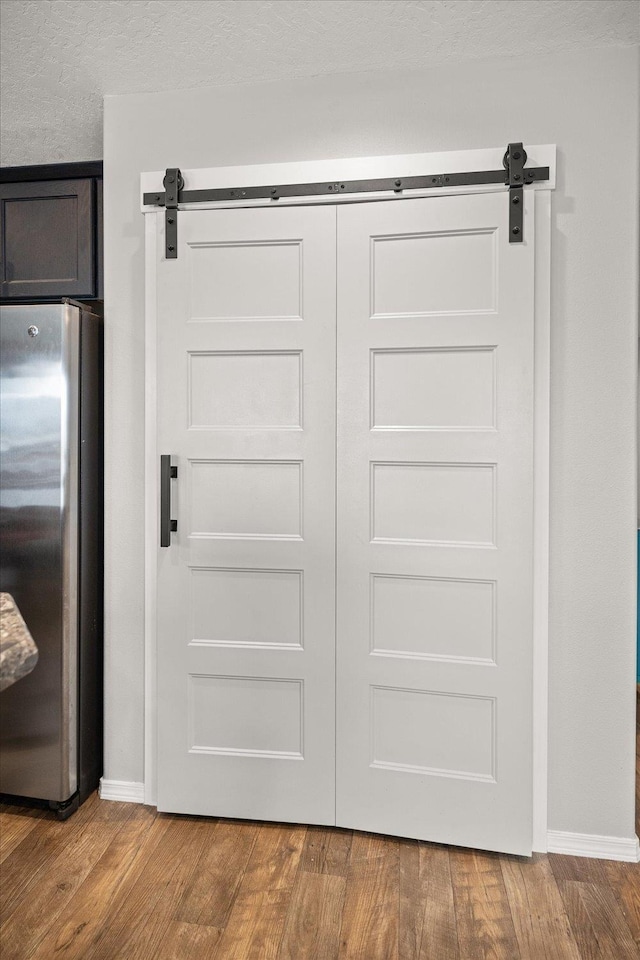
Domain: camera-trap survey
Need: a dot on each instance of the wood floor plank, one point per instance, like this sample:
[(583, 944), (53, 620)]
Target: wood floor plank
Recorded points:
[(151, 898), (613, 922), (122, 905), (210, 895), (34, 915), (439, 935), (625, 884), (31, 859), (187, 941), (580, 921), (582, 869), (15, 824), (540, 919), (368, 846), (256, 922), (326, 850), (371, 909), (71, 936), (622, 878), (483, 915), (312, 926), (411, 901), (597, 922), (274, 859)]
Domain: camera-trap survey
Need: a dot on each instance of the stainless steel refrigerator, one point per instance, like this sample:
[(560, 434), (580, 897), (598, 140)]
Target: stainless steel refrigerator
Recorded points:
[(51, 508)]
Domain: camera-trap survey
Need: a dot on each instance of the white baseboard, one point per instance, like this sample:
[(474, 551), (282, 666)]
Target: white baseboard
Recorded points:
[(126, 791), (592, 845)]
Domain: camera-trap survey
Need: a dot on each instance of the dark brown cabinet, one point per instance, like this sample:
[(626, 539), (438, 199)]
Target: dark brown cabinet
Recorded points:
[(50, 233)]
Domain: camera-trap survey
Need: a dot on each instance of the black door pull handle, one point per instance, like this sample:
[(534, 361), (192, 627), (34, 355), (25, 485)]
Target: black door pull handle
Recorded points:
[(167, 525)]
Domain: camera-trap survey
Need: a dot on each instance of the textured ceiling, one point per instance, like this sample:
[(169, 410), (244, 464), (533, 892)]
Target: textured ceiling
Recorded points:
[(60, 57)]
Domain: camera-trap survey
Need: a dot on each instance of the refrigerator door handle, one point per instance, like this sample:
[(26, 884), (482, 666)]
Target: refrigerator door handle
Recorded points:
[(167, 525)]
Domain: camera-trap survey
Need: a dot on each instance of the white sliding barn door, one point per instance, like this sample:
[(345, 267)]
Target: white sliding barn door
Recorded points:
[(434, 477), (246, 605), (434, 528)]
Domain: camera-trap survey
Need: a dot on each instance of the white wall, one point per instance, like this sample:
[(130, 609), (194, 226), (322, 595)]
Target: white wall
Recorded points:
[(587, 103)]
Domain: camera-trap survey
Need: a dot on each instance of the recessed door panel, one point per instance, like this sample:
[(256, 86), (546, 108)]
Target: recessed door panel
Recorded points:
[(446, 503), (433, 389), (244, 607), (245, 389), (437, 734), (246, 717), (245, 498), (238, 280), (433, 617), (414, 274)]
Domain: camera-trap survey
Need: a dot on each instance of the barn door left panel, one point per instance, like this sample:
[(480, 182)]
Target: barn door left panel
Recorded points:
[(246, 328)]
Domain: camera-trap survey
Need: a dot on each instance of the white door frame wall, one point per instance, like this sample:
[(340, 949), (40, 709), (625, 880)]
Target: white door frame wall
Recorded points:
[(370, 168)]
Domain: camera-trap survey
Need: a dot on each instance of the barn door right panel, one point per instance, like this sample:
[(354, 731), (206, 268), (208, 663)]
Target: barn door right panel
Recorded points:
[(435, 521)]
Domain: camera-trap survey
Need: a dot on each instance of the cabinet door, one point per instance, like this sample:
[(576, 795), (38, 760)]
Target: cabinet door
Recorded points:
[(47, 233)]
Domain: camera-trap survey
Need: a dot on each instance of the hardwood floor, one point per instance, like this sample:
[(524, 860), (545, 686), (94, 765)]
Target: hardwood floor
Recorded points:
[(118, 880)]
